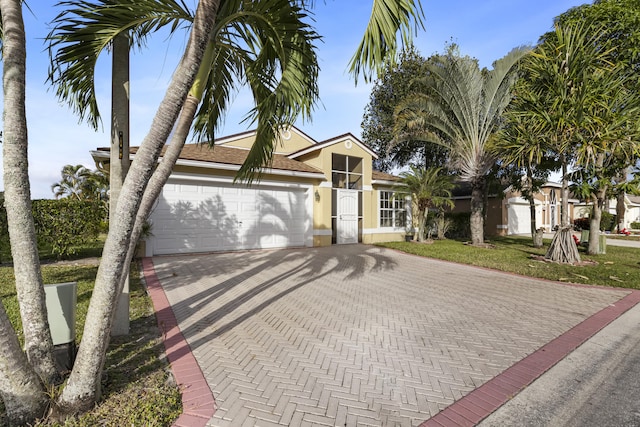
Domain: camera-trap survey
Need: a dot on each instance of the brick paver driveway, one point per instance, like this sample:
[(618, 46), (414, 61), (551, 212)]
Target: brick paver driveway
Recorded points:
[(357, 335)]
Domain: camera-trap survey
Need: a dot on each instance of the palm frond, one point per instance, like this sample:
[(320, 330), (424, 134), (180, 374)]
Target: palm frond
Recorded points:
[(269, 47), (85, 29), (379, 42)]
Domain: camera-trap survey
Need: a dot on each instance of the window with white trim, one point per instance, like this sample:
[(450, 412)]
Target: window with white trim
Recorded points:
[(393, 212)]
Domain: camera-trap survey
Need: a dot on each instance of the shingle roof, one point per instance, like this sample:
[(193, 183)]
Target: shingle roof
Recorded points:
[(377, 175), (233, 156)]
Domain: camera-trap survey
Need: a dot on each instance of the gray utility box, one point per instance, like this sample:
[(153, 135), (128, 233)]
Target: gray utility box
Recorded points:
[(61, 309), (602, 244)]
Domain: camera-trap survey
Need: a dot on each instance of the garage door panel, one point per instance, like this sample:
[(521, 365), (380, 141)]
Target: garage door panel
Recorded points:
[(202, 218)]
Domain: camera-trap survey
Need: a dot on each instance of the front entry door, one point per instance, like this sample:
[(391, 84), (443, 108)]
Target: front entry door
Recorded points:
[(347, 223)]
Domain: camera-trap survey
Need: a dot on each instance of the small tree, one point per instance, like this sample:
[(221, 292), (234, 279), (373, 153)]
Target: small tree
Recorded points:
[(527, 162), (395, 84), (428, 188)]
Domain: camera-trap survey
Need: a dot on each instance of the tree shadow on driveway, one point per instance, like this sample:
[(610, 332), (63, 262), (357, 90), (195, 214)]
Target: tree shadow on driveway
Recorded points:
[(225, 289)]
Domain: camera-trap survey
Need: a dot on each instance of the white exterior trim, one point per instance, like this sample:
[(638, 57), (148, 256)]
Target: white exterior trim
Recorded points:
[(337, 140), (229, 180), (384, 182), (383, 230)]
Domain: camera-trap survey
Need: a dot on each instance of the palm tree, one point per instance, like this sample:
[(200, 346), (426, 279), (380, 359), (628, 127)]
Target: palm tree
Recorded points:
[(73, 182), (428, 189), (277, 41), (525, 156), (462, 111)]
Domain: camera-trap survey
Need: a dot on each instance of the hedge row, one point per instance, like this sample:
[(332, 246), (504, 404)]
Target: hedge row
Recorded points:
[(607, 222), (62, 225)]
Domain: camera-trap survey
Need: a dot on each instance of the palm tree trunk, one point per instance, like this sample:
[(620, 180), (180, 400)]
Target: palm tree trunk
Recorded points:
[(441, 223), (596, 213), (564, 210), (621, 206), (621, 210), (562, 248), (82, 387), (17, 194), (119, 156), (22, 392), (595, 221), (421, 223), (476, 218)]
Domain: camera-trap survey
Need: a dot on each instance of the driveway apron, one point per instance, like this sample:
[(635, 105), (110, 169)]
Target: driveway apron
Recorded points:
[(355, 335)]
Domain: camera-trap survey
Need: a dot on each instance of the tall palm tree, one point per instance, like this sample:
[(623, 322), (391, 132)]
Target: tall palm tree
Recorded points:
[(462, 110), (428, 189)]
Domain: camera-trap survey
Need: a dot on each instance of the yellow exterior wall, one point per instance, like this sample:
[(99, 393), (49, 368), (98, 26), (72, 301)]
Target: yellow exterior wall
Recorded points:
[(322, 159), (295, 143)]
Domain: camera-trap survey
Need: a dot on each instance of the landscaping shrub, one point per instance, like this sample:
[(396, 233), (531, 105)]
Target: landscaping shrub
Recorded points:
[(65, 224), (607, 222), (635, 225), (580, 224), (460, 226)]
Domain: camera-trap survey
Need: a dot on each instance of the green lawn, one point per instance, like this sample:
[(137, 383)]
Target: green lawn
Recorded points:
[(135, 388), (620, 267)]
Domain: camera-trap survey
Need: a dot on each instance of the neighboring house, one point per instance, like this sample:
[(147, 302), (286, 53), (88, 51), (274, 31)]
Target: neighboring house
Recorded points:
[(632, 211), (313, 194), (510, 213)]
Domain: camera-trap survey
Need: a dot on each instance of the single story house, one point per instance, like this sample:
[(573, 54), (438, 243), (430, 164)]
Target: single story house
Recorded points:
[(315, 193)]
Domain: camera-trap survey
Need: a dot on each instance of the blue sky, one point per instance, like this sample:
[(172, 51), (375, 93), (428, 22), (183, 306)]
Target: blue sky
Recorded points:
[(485, 29)]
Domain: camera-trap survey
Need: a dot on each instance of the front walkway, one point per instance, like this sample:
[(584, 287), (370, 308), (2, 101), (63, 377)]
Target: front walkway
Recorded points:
[(358, 335)]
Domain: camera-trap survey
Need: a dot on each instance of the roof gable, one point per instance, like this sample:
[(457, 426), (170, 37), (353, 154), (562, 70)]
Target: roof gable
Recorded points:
[(291, 140), (332, 141)]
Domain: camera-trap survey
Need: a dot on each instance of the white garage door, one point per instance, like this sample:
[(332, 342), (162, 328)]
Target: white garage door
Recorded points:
[(204, 217), (519, 215)]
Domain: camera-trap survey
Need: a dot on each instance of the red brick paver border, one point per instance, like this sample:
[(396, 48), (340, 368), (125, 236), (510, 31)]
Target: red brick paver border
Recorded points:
[(487, 398), (198, 403)]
